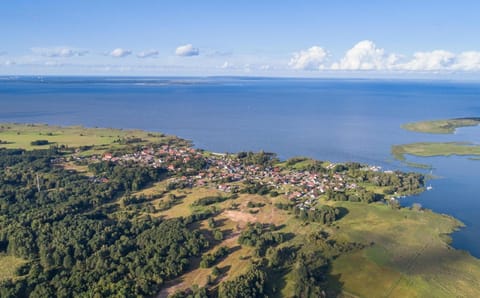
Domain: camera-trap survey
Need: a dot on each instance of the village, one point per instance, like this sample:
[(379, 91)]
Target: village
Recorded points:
[(191, 167)]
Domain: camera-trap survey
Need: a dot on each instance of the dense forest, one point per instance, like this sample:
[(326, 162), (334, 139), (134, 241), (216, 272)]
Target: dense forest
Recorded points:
[(50, 217), (77, 241)]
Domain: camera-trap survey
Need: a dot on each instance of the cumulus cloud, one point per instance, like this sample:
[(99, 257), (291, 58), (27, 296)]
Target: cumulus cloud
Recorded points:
[(148, 54), (427, 61), (467, 61), (187, 51), (365, 55), (59, 52), (120, 53), (310, 59), (441, 60)]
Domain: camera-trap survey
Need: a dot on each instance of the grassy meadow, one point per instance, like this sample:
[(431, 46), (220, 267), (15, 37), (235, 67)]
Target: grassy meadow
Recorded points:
[(14, 135), (406, 251)]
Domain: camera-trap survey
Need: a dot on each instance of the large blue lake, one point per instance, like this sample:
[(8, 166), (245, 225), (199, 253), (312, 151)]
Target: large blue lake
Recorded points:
[(336, 120)]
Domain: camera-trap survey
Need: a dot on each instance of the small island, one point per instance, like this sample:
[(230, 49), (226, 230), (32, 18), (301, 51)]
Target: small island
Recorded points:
[(107, 212), (445, 126), (429, 149)]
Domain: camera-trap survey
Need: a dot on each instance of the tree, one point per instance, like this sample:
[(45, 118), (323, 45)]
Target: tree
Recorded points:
[(211, 222), (250, 284), (218, 235)]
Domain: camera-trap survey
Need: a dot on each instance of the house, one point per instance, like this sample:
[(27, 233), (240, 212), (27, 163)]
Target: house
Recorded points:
[(107, 156)]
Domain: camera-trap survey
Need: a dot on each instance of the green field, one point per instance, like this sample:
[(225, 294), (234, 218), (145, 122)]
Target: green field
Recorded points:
[(14, 135), (409, 256), (446, 126)]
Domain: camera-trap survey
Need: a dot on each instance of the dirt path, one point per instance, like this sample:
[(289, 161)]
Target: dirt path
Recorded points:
[(181, 282)]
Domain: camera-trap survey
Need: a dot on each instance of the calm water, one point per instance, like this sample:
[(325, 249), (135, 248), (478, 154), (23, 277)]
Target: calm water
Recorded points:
[(337, 120)]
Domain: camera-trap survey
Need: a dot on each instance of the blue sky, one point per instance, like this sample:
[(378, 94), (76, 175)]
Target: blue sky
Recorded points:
[(273, 38)]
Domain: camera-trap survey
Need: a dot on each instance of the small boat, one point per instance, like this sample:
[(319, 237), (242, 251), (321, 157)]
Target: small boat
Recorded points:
[(429, 187)]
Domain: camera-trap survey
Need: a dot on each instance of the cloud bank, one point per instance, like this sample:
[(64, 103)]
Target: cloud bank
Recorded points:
[(366, 56), (187, 51), (59, 52), (148, 54)]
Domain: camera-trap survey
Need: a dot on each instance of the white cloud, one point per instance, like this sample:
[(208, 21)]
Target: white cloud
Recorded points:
[(10, 62), (441, 60), (148, 54), (2, 53), (187, 51), (366, 56), (310, 59), (428, 61), (120, 53), (467, 61), (59, 52)]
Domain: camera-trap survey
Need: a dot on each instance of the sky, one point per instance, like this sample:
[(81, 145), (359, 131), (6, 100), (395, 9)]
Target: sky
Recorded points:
[(344, 38)]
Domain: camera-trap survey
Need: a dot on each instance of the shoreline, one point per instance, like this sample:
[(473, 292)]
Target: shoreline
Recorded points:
[(246, 188), (100, 132)]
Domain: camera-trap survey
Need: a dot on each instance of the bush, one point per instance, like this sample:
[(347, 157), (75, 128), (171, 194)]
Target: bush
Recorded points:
[(39, 142), (209, 201)]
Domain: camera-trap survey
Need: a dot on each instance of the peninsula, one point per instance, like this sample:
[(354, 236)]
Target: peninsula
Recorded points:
[(108, 212)]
